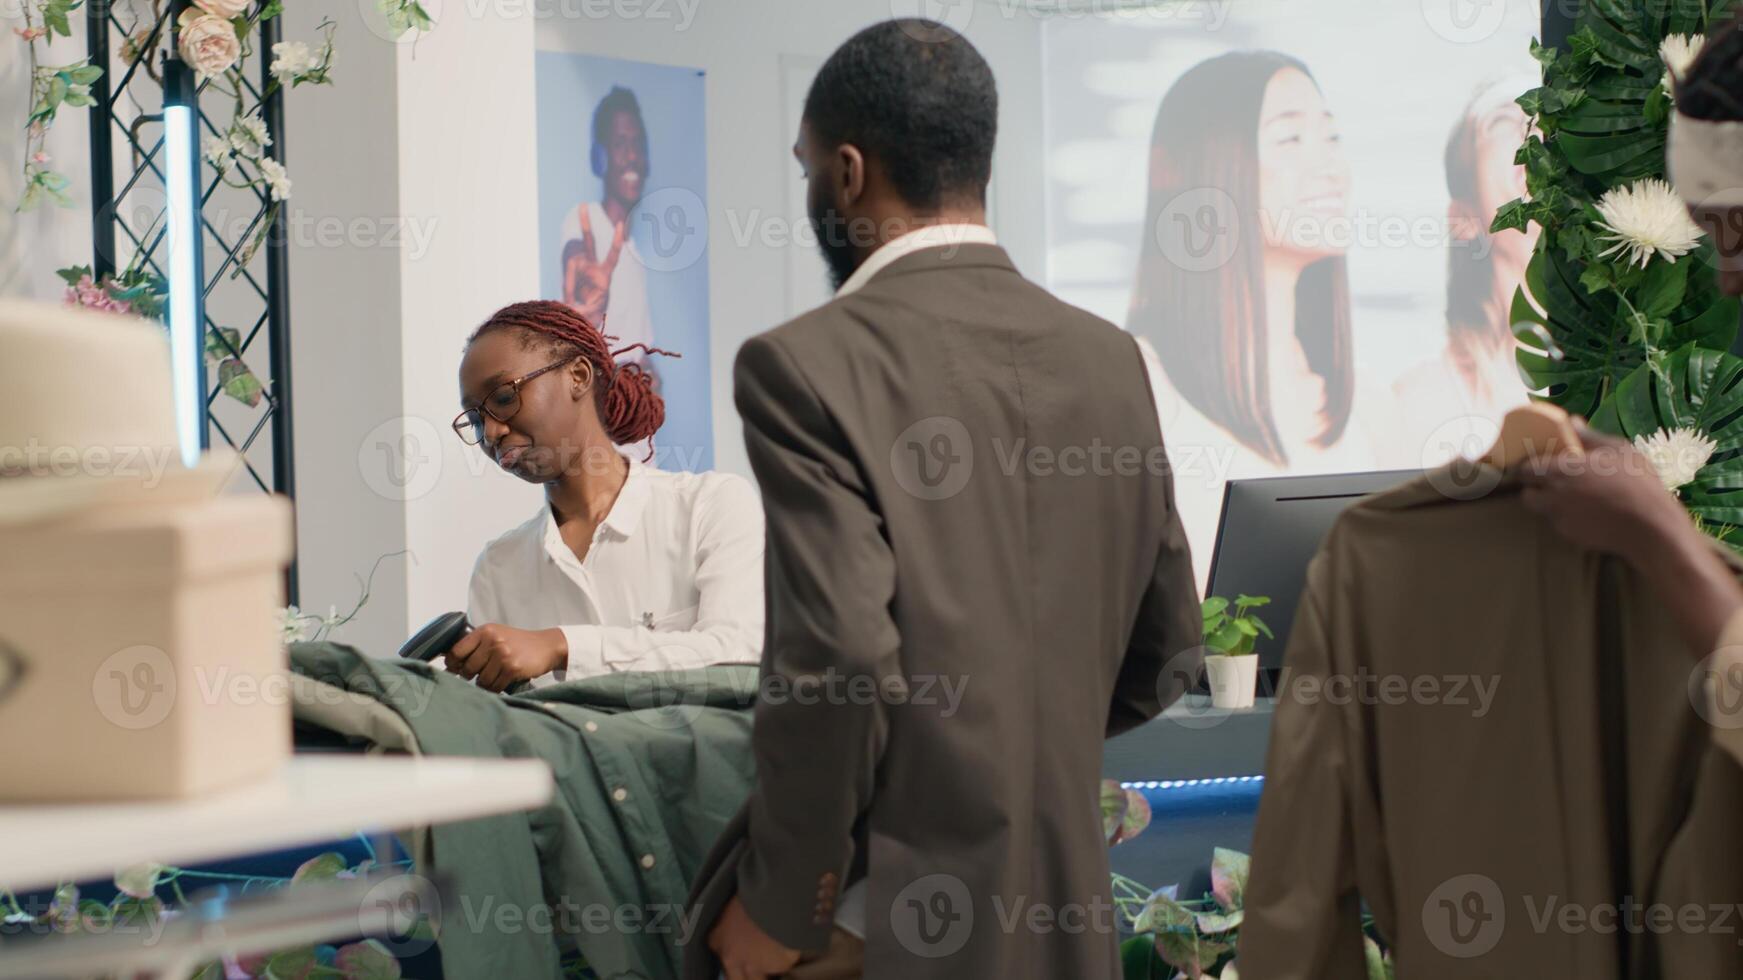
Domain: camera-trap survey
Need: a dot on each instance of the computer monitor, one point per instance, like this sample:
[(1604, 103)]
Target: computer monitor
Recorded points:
[(1269, 531)]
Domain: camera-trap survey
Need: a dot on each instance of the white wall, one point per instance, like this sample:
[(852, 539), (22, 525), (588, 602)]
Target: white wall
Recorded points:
[(413, 216)]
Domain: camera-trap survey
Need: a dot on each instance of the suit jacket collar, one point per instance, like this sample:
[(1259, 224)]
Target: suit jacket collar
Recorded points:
[(955, 244)]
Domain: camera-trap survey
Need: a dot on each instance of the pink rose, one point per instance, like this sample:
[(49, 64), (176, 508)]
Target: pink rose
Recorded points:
[(227, 9), (208, 42)]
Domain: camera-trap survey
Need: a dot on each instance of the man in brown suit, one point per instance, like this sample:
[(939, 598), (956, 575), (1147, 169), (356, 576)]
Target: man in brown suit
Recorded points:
[(974, 572)]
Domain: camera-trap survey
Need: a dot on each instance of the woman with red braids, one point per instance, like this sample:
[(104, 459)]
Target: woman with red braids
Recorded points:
[(625, 567)]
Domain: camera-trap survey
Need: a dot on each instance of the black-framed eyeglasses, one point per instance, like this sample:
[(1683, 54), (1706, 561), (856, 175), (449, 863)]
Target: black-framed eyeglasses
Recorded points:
[(501, 404)]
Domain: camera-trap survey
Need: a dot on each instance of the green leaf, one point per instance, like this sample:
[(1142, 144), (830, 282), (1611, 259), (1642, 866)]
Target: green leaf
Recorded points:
[(85, 74), (294, 964), (1376, 962), (139, 881), (322, 867), (367, 960), (1214, 605), (1700, 389), (1229, 870), (223, 343), (1513, 215), (1218, 923), (1662, 289), (1177, 937), (271, 9), (73, 273), (1124, 812), (1589, 331), (1139, 961), (241, 384), (1227, 639), (1597, 277), (1246, 627), (57, 91), (1251, 601)]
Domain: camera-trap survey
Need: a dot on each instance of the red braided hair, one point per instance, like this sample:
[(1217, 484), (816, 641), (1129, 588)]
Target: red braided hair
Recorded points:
[(624, 394)]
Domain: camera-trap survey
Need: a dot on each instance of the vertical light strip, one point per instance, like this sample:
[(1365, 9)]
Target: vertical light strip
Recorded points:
[(182, 178)]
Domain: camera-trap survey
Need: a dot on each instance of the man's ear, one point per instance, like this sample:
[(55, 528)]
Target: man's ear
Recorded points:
[(852, 176)]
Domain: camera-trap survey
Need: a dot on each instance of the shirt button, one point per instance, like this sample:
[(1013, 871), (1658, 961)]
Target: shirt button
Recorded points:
[(620, 794), (647, 860), (591, 726)]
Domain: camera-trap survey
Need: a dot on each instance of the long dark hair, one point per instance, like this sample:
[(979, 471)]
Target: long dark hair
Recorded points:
[(1209, 325)]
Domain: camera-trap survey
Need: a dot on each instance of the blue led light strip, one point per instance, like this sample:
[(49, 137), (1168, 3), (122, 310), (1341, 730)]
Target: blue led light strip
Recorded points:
[(1188, 783)]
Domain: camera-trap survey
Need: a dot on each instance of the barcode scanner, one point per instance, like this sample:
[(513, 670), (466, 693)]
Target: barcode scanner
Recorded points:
[(437, 637)]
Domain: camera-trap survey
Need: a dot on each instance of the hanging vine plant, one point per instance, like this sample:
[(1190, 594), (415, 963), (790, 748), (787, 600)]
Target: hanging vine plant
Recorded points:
[(1620, 318)]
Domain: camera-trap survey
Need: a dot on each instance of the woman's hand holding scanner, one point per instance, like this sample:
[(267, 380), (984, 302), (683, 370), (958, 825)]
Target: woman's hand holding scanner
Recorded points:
[(499, 656)]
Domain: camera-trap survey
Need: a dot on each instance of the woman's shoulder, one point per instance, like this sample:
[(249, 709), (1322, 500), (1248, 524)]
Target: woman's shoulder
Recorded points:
[(707, 492), (514, 543)]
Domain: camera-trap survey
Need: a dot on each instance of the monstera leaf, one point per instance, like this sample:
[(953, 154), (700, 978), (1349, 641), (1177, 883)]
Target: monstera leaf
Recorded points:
[(1692, 388), (1587, 350)]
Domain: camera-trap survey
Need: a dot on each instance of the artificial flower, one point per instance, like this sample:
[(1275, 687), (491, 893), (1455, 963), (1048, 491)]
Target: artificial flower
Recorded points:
[(290, 59), (1644, 219), (29, 33), (276, 181), (1678, 52), (91, 295), (39, 158), (216, 150), (292, 625), (249, 136), (209, 43), (227, 9), (1676, 455)]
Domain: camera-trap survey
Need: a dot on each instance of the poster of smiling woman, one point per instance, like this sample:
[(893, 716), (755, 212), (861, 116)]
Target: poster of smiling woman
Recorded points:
[(622, 156)]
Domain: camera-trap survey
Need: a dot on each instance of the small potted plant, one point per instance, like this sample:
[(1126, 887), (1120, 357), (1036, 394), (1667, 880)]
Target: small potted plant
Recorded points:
[(1229, 635)]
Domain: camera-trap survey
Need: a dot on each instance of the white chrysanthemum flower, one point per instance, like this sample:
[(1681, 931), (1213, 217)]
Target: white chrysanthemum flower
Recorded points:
[(1676, 455), (216, 150), (290, 59), (1647, 218), (276, 181), (1678, 52)]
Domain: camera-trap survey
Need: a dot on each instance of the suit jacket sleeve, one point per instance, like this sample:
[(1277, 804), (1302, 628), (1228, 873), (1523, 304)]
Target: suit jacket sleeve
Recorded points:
[(1164, 655), (830, 580), (1303, 909)]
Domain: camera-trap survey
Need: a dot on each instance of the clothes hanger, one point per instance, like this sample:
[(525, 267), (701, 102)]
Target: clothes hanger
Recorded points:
[(1534, 430)]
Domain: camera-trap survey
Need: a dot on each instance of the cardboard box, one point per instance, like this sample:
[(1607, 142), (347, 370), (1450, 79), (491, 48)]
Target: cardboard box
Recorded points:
[(146, 653)]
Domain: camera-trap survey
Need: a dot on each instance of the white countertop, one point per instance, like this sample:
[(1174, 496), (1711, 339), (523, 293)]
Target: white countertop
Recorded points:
[(314, 798)]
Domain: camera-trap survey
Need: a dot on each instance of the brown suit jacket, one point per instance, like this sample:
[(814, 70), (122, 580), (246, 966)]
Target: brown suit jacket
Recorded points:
[(1496, 834), (965, 492)]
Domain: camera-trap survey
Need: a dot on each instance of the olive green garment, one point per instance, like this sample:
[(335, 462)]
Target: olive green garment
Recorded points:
[(649, 768), (1487, 735)]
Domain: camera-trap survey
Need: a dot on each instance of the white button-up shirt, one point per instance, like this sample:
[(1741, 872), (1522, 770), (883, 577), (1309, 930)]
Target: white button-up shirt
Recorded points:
[(673, 578)]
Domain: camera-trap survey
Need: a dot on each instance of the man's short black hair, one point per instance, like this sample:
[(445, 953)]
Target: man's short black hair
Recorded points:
[(619, 99), (917, 97), (1712, 88)]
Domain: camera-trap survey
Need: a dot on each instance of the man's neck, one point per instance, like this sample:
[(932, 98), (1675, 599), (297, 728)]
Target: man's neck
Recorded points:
[(616, 209), (891, 225)]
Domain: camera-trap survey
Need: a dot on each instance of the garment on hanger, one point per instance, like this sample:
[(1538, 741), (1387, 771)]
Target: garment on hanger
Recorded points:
[(1486, 736)]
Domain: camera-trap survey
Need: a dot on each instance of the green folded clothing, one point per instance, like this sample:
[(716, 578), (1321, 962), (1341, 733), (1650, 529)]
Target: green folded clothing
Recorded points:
[(649, 768)]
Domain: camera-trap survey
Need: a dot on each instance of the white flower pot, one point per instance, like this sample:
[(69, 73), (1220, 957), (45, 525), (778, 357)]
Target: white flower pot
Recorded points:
[(1232, 679)]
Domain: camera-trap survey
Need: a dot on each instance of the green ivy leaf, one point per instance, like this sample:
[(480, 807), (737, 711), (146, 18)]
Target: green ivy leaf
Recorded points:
[(1513, 214), (139, 881), (241, 384), (295, 964), (320, 868), (1229, 870), (367, 960), (73, 273), (223, 343)]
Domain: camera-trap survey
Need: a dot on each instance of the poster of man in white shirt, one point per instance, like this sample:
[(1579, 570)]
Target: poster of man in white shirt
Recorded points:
[(604, 277), (623, 227)]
